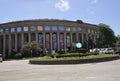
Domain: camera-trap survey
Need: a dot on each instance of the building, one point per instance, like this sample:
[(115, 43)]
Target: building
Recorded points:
[(51, 34)]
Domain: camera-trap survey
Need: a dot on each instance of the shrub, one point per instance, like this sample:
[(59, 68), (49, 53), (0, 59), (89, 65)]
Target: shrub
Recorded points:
[(18, 56), (61, 52), (83, 50), (71, 55)]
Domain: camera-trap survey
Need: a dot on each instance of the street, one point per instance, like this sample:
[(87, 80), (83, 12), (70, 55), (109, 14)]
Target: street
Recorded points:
[(21, 70)]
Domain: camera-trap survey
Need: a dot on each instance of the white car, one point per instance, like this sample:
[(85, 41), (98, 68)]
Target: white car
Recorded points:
[(107, 51), (1, 58)]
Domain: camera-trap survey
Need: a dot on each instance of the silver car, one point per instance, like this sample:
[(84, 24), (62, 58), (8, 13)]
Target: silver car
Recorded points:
[(108, 51)]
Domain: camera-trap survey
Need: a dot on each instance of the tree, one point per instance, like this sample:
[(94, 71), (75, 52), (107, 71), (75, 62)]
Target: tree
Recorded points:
[(31, 49), (106, 36), (118, 40), (80, 21)]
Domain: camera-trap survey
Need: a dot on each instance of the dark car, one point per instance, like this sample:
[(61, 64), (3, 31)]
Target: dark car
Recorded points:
[(117, 52)]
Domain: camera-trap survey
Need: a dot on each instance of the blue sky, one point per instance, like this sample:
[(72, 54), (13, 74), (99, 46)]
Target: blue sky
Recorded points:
[(89, 11)]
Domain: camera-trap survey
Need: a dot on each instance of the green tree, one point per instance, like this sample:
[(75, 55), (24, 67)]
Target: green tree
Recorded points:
[(118, 40), (106, 36), (31, 49)]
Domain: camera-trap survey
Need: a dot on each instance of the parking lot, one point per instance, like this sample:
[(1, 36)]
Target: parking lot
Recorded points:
[(21, 70)]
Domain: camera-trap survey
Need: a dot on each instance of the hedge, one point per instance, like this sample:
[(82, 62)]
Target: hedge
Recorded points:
[(71, 55), (77, 61)]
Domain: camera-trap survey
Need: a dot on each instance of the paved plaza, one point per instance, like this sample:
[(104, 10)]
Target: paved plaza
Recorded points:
[(21, 70)]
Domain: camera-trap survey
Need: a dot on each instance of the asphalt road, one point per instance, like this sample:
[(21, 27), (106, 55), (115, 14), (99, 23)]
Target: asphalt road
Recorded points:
[(20, 70)]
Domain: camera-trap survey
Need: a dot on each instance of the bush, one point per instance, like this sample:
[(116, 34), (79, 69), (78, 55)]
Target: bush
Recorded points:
[(83, 50), (61, 52), (71, 55), (18, 56)]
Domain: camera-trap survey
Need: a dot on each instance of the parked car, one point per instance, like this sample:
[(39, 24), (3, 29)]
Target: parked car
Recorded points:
[(108, 51), (1, 58), (117, 52), (101, 50), (94, 50)]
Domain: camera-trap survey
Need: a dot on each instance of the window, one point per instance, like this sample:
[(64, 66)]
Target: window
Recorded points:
[(39, 28), (88, 30), (67, 29), (74, 29), (80, 29), (61, 28), (19, 29), (47, 27), (12, 29), (1, 30), (54, 28), (32, 28), (6, 30), (25, 28)]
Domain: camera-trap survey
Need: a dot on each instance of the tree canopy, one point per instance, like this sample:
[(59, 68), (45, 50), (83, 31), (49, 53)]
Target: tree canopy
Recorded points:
[(118, 40), (31, 49), (106, 36)]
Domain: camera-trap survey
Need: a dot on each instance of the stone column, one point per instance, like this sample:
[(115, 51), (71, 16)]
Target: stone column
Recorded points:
[(4, 45), (0, 43), (65, 42), (82, 37), (29, 37), (77, 36), (22, 39), (71, 40), (36, 36), (58, 41), (43, 42), (9, 51), (51, 42), (16, 42)]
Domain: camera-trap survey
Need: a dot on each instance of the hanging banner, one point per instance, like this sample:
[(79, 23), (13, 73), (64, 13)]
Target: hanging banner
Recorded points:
[(54, 41), (40, 40), (68, 40), (47, 41), (61, 41)]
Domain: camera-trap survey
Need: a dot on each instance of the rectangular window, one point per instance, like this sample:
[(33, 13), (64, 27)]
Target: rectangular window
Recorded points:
[(61, 28), (39, 28), (54, 28), (25, 28), (80, 29), (19, 29), (47, 28), (68, 29), (1, 30), (12, 29), (6, 30), (33, 28), (74, 29)]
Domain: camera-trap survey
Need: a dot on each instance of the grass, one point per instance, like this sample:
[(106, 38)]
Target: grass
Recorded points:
[(48, 58)]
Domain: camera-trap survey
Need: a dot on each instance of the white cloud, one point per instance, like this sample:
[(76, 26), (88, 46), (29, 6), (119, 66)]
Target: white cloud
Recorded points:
[(62, 5), (94, 1)]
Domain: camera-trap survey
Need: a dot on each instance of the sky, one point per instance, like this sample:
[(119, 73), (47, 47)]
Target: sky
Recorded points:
[(89, 11)]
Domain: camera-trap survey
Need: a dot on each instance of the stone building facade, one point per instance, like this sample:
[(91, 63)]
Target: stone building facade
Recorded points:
[(50, 34)]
